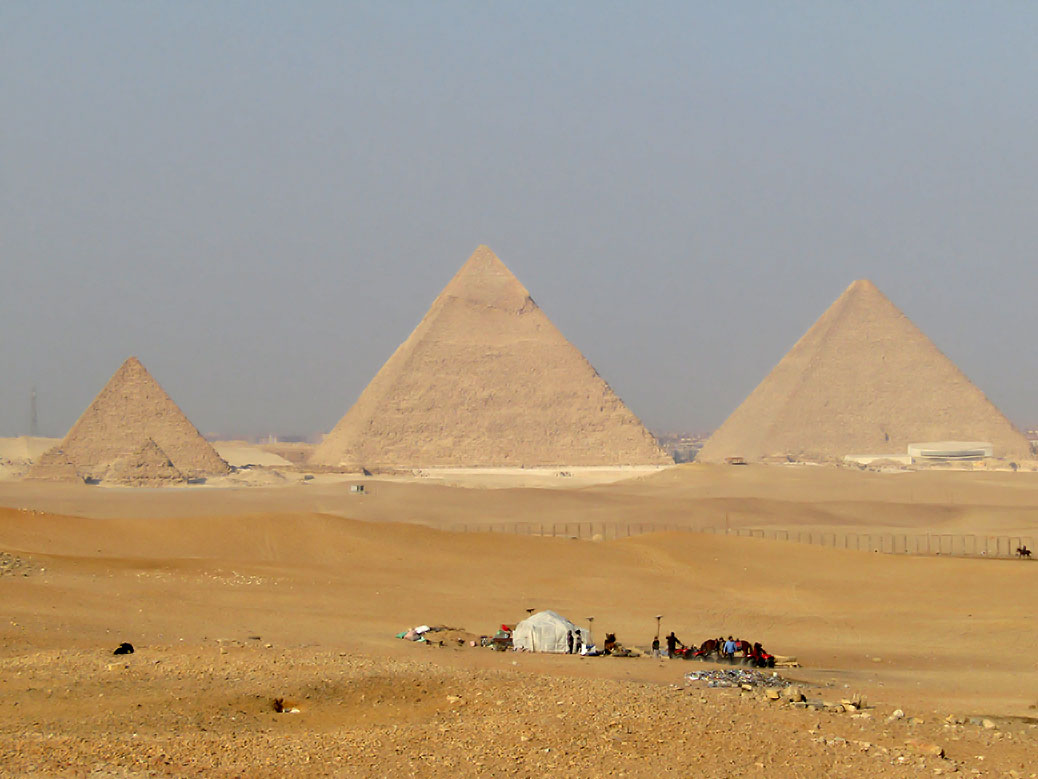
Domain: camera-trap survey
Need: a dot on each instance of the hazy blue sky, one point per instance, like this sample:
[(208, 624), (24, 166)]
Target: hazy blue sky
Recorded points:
[(260, 199)]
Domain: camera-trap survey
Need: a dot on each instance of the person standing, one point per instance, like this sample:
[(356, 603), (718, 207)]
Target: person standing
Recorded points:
[(569, 642), (578, 642), (729, 648), (656, 647), (672, 644)]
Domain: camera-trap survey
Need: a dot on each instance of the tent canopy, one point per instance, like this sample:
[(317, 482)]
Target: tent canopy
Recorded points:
[(546, 631)]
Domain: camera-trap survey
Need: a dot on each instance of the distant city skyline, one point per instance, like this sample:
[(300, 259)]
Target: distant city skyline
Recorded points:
[(262, 202)]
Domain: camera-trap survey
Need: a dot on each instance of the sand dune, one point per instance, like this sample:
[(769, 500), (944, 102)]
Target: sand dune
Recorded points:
[(690, 495), (346, 579), (326, 578)]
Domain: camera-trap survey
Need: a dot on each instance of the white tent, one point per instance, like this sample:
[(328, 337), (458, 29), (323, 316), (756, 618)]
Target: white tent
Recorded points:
[(546, 631)]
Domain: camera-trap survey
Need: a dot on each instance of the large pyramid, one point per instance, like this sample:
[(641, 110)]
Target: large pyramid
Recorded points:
[(131, 409), (487, 380), (862, 380)]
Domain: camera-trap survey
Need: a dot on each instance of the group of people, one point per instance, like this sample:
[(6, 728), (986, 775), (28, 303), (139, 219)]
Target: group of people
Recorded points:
[(673, 642), (725, 649), (574, 642)]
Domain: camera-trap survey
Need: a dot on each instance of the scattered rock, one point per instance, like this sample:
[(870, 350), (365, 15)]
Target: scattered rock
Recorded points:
[(125, 648), (12, 565), (921, 747), (793, 693), (744, 679)]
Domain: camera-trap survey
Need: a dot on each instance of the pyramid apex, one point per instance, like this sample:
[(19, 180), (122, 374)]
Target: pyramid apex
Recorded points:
[(861, 292), (482, 260), (485, 280), (131, 363), (861, 287)]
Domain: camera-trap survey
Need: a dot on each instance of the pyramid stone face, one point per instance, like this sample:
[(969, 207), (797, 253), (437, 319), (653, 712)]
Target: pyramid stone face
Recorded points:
[(487, 380), (147, 467), (131, 409), (862, 380), (54, 465)]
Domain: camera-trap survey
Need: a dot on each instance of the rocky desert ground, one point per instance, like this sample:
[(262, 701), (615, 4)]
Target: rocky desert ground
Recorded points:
[(237, 597)]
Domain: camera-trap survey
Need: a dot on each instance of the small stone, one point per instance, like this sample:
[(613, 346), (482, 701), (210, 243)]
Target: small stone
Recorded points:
[(988, 724), (925, 747), (897, 714), (794, 694)]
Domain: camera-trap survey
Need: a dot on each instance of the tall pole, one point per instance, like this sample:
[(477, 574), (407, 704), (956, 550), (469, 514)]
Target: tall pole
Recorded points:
[(658, 618), (34, 427)]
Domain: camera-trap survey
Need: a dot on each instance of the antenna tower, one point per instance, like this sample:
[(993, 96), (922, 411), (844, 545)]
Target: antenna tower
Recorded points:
[(34, 426)]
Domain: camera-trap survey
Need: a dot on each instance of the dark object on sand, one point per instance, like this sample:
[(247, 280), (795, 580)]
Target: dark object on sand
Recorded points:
[(125, 648), (285, 706)]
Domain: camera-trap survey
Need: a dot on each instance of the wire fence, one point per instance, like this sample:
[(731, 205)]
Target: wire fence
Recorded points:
[(947, 544)]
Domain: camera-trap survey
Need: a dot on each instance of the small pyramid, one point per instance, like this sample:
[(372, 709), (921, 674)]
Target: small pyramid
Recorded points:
[(148, 466), (54, 465), (485, 380), (863, 380), (130, 409)]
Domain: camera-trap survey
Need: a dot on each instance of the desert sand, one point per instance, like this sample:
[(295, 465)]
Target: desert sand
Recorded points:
[(234, 597)]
